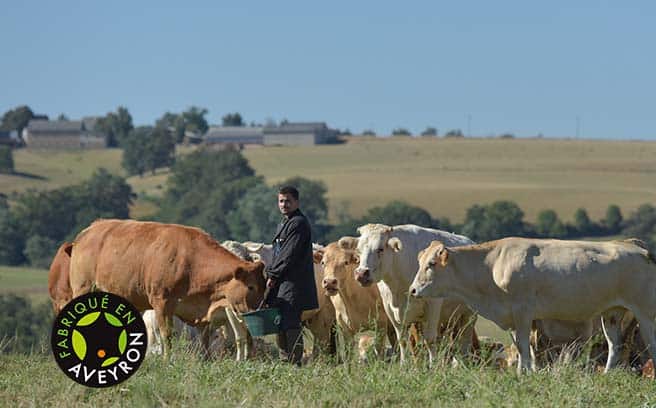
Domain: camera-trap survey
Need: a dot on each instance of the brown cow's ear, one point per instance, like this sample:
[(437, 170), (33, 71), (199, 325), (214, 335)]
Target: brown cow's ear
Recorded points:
[(317, 256)]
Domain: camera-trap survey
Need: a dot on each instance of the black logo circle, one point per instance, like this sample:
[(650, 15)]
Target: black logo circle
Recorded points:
[(99, 339)]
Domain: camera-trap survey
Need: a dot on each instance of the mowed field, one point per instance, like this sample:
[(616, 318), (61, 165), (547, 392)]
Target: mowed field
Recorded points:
[(444, 176)]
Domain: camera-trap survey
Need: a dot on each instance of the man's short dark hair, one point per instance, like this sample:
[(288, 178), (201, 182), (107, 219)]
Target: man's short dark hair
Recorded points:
[(289, 190)]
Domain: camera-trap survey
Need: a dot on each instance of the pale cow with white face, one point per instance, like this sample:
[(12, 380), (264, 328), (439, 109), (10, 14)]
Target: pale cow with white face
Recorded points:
[(388, 258), (514, 281)]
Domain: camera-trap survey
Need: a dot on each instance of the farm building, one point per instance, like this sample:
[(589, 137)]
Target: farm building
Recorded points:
[(64, 134), (237, 135), (287, 134), (300, 134)]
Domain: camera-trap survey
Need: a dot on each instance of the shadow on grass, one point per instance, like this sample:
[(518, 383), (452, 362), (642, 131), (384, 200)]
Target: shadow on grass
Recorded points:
[(27, 175)]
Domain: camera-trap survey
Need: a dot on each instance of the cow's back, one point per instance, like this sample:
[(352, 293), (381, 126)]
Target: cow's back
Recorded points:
[(140, 260)]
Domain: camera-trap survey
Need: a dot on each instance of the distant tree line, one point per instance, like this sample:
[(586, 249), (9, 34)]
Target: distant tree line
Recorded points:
[(219, 192), (39, 221)]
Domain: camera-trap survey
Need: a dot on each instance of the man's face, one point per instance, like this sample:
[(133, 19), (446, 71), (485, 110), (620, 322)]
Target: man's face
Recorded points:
[(287, 204)]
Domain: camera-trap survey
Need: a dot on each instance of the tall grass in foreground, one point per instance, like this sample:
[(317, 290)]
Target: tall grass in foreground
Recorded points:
[(186, 379)]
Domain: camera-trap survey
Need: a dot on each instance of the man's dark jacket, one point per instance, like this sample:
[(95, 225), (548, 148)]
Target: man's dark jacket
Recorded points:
[(292, 266)]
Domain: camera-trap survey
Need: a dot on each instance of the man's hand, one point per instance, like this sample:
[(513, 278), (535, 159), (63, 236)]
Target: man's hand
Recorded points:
[(271, 283)]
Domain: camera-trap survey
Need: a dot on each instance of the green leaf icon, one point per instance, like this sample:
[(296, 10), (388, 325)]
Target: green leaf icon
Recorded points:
[(111, 319), (122, 341), (79, 344), (109, 361), (88, 319)]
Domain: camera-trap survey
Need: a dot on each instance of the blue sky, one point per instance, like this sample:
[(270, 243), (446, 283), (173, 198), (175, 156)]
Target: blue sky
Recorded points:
[(511, 66)]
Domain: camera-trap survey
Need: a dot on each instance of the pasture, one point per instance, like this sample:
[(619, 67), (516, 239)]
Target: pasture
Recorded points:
[(444, 176), (187, 380), (25, 281)]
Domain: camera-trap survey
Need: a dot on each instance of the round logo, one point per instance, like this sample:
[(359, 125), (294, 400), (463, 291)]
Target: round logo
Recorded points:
[(99, 339)]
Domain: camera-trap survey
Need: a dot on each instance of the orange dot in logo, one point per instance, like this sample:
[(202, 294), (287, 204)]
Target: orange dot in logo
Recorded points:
[(101, 353)]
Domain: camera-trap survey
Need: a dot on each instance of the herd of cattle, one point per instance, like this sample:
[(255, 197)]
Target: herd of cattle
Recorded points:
[(550, 294)]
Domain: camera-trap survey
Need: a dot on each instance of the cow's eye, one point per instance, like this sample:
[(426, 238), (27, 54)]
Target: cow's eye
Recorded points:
[(431, 264), (379, 250), (251, 287)]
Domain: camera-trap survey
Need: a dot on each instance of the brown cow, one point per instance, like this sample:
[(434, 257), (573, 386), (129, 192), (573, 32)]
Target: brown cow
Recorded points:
[(356, 307), (173, 269), (58, 283)]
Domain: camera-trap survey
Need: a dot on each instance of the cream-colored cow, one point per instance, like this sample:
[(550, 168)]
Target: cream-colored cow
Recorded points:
[(388, 257), (514, 281), (357, 308)]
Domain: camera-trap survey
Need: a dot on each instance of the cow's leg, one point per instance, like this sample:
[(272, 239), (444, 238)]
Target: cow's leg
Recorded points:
[(164, 315), (522, 338), (431, 328), (611, 325), (648, 332), (241, 334)]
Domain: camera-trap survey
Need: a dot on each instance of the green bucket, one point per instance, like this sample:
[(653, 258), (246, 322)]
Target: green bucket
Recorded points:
[(262, 322)]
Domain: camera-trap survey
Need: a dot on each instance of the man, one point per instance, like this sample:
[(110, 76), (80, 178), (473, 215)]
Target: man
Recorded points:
[(290, 276)]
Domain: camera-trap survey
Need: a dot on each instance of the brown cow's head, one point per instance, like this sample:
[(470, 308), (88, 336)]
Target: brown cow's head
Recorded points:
[(246, 289), (338, 266)]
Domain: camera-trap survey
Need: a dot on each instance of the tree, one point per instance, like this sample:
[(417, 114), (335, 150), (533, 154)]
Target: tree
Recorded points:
[(173, 122), (17, 118), (116, 126), (429, 131), (134, 151), (22, 325), (160, 149), (642, 224), (255, 216), (148, 148), (12, 241), (399, 212), (62, 117), (204, 187), (40, 250), (232, 119), (401, 132), (6, 160), (613, 219), (582, 222), (368, 132), (494, 221), (548, 225), (194, 119), (454, 133)]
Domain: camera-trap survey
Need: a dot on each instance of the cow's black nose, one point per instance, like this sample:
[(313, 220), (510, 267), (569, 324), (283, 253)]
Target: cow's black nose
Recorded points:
[(413, 292)]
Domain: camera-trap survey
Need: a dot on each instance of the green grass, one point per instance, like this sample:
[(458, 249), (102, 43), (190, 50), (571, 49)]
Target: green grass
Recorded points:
[(186, 380), (29, 282)]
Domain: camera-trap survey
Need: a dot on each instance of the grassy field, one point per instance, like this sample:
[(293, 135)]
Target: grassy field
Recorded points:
[(28, 282), (185, 380), (445, 176)]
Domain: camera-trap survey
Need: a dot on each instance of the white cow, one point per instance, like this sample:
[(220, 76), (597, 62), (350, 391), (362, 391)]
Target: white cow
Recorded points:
[(514, 281), (388, 256)]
